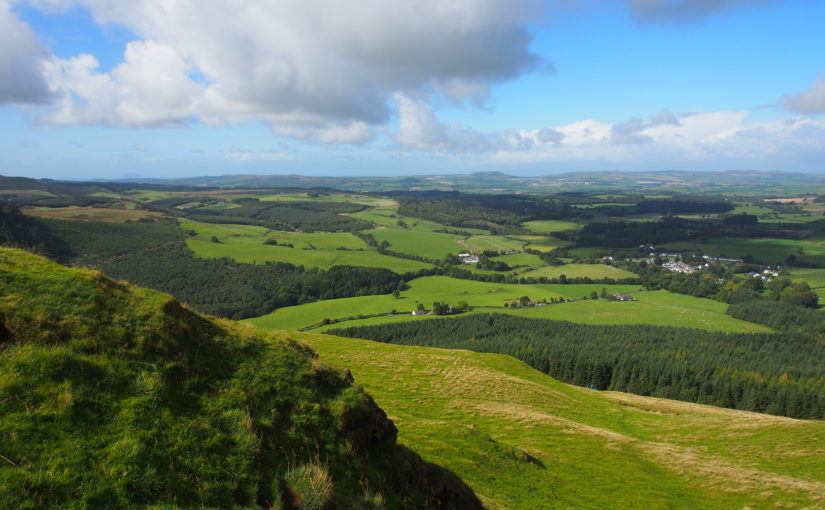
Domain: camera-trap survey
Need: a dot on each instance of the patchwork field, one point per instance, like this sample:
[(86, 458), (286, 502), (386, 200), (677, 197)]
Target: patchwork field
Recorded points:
[(90, 213), (521, 439), (245, 243), (658, 308)]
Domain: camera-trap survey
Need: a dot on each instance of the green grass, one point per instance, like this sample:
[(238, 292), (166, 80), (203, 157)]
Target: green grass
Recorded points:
[(814, 277), (602, 312), (657, 308), (595, 271), (521, 259), (493, 243), (424, 244), (521, 439), (389, 217), (542, 243), (113, 396), (545, 226), (244, 243), (770, 251)]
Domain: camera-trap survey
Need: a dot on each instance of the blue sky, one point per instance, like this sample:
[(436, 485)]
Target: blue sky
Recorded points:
[(107, 88)]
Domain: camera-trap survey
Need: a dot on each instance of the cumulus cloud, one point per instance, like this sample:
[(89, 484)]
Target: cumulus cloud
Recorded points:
[(811, 101), (695, 140), (21, 61), (685, 10), (419, 128), (320, 69)]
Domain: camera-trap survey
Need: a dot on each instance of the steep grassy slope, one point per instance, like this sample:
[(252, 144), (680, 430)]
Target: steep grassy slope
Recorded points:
[(521, 439), (113, 396)]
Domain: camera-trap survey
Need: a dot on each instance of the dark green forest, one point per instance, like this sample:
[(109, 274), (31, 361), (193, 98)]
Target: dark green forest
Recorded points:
[(775, 373), (237, 291)]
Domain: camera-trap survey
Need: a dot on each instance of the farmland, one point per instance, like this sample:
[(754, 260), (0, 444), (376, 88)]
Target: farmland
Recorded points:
[(245, 243), (660, 308)]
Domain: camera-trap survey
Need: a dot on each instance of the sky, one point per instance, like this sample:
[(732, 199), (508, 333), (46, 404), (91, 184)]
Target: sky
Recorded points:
[(106, 89)]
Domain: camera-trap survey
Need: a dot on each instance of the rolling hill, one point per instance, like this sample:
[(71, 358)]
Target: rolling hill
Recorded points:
[(112, 396)]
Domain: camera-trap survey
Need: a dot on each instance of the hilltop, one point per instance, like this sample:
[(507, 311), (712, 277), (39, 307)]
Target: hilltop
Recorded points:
[(112, 396)]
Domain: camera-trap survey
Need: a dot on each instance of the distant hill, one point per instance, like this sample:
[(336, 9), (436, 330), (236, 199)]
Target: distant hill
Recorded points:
[(112, 396), (677, 181)]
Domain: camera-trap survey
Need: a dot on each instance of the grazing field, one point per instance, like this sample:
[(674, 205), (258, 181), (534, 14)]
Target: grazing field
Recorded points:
[(770, 251), (601, 312), (658, 308), (545, 226), (90, 213), (245, 243), (388, 217), (521, 439), (520, 259), (814, 277), (594, 271), (542, 243), (250, 236), (424, 244), (493, 243)]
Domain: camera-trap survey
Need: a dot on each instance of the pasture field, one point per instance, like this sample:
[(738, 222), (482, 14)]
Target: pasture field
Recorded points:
[(520, 259), (521, 439), (244, 243), (388, 217), (660, 308), (770, 251), (480, 243), (90, 213), (595, 271), (432, 245), (250, 235), (601, 312), (542, 243), (814, 276), (545, 226)]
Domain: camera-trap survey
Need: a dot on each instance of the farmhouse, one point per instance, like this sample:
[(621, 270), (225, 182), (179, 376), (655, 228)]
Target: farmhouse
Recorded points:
[(467, 258), (622, 297)]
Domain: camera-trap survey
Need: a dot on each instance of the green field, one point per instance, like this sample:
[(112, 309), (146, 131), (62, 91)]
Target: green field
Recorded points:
[(431, 245), (594, 271), (521, 439), (545, 226), (542, 243), (770, 251), (493, 243), (658, 308), (388, 217), (814, 276), (603, 312), (319, 249)]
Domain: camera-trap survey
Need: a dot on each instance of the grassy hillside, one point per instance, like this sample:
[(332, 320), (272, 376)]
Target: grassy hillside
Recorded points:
[(521, 439), (112, 396)]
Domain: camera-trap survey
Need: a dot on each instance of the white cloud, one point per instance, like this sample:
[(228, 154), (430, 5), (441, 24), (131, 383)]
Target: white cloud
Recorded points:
[(419, 128), (320, 69), (811, 101), (21, 61), (696, 140)]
